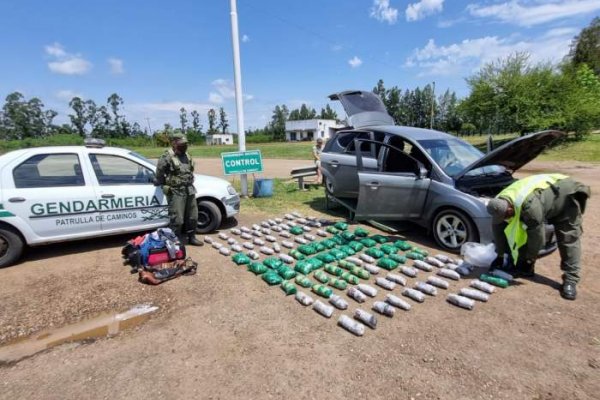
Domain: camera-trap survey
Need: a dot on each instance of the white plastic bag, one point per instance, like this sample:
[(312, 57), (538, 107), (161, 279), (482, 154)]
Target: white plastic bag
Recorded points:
[(477, 254)]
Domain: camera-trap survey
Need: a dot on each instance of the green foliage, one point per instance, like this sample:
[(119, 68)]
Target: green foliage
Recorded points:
[(22, 119), (585, 48)]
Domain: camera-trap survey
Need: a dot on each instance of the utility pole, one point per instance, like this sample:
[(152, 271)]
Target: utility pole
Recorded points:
[(239, 103), (432, 105)]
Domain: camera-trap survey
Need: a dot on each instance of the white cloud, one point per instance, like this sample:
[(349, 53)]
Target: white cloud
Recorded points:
[(382, 12), (116, 66), (67, 94), (524, 13), (355, 62), (465, 57), (420, 10), (66, 63), (245, 38), (215, 98)]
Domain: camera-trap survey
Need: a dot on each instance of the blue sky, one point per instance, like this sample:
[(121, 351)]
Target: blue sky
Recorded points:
[(160, 56)]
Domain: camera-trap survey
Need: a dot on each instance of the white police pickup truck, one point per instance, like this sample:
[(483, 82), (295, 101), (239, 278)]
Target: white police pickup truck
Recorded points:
[(63, 193)]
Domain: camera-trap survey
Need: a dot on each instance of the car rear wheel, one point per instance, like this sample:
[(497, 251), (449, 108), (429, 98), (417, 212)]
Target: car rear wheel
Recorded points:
[(453, 228), (209, 217), (11, 246)]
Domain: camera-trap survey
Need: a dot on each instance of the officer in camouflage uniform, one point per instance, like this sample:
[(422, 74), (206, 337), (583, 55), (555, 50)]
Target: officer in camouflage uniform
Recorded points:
[(519, 214), (175, 174)]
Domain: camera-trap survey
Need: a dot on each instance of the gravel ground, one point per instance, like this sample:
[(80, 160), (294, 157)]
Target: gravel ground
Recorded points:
[(224, 333)]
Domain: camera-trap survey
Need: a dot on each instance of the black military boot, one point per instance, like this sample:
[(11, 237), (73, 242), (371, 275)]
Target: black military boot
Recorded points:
[(568, 291), (193, 241)]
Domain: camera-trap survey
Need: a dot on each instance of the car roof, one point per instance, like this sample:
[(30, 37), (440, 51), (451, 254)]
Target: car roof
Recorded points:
[(413, 133), (65, 149)]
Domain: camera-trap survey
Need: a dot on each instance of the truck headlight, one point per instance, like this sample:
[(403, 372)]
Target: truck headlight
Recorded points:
[(231, 190)]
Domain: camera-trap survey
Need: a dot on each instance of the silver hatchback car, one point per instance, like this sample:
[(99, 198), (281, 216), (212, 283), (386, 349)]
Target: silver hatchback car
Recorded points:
[(386, 172)]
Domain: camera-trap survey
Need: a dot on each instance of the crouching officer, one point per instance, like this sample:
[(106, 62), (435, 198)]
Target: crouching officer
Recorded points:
[(175, 175), (519, 214)]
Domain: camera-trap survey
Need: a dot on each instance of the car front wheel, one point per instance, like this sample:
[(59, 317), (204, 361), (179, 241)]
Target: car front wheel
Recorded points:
[(209, 217), (11, 246), (452, 229)]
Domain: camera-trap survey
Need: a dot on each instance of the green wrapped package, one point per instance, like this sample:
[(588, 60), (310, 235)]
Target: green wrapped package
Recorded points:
[(338, 240), (380, 239), (322, 290), (240, 259), (348, 250), (272, 277), (342, 226), (347, 235), (315, 263), (494, 280), (257, 268), (338, 254), (319, 247), (387, 263), (338, 283), (356, 246), (321, 276), (297, 255), (303, 267), (326, 257), (296, 230), (398, 258), (414, 255), (361, 232), (333, 270), (273, 262), (288, 288), (346, 264), (307, 249), (374, 252), (286, 272), (351, 279), (388, 249), (367, 242), (303, 281), (402, 245), (422, 252), (330, 244), (332, 230), (360, 272)]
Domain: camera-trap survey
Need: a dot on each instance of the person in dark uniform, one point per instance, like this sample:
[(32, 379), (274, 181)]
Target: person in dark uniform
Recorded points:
[(519, 214), (175, 175)]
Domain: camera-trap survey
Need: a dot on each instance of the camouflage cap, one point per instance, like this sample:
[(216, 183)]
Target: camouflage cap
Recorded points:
[(179, 137)]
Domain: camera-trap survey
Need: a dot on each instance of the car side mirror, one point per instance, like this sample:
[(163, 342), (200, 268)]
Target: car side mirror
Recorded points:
[(422, 173)]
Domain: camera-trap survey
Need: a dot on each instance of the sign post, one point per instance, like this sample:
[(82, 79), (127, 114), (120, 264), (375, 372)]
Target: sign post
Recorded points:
[(242, 162)]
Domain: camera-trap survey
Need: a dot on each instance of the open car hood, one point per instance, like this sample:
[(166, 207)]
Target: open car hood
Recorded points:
[(363, 108), (516, 153)]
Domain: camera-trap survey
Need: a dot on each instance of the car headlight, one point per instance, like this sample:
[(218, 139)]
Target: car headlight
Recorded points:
[(231, 190)]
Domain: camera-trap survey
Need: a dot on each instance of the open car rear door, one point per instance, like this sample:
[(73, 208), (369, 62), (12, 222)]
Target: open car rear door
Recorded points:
[(396, 191)]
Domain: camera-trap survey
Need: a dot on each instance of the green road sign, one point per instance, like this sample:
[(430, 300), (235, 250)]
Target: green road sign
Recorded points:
[(242, 162)]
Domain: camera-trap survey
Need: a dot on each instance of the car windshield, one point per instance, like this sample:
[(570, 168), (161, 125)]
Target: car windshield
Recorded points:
[(454, 155)]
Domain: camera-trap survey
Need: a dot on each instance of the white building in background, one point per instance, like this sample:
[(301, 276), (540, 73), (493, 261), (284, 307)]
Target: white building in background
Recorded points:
[(311, 129), (219, 139)]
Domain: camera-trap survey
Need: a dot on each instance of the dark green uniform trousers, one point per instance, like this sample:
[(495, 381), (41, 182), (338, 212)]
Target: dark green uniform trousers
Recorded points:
[(568, 229), (183, 213)]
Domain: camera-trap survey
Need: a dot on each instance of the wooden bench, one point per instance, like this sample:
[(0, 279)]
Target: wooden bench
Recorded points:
[(303, 172)]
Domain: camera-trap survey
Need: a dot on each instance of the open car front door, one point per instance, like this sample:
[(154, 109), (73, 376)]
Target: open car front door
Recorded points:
[(396, 191)]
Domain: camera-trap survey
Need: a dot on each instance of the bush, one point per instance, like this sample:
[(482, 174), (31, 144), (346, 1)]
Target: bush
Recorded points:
[(468, 129), (259, 138)]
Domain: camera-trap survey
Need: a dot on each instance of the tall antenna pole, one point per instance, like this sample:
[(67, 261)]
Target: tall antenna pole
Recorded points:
[(239, 104), (432, 105)]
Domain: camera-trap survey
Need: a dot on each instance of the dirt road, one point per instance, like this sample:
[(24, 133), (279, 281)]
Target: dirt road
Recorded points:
[(224, 334)]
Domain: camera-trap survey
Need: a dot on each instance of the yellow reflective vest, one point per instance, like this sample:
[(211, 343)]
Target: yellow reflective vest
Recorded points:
[(516, 230)]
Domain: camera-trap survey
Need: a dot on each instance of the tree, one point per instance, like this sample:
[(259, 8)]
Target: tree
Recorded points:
[(79, 118), (212, 121), (585, 47), (223, 122), (327, 113), (278, 119), (196, 126), (115, 101), (183, 119)]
